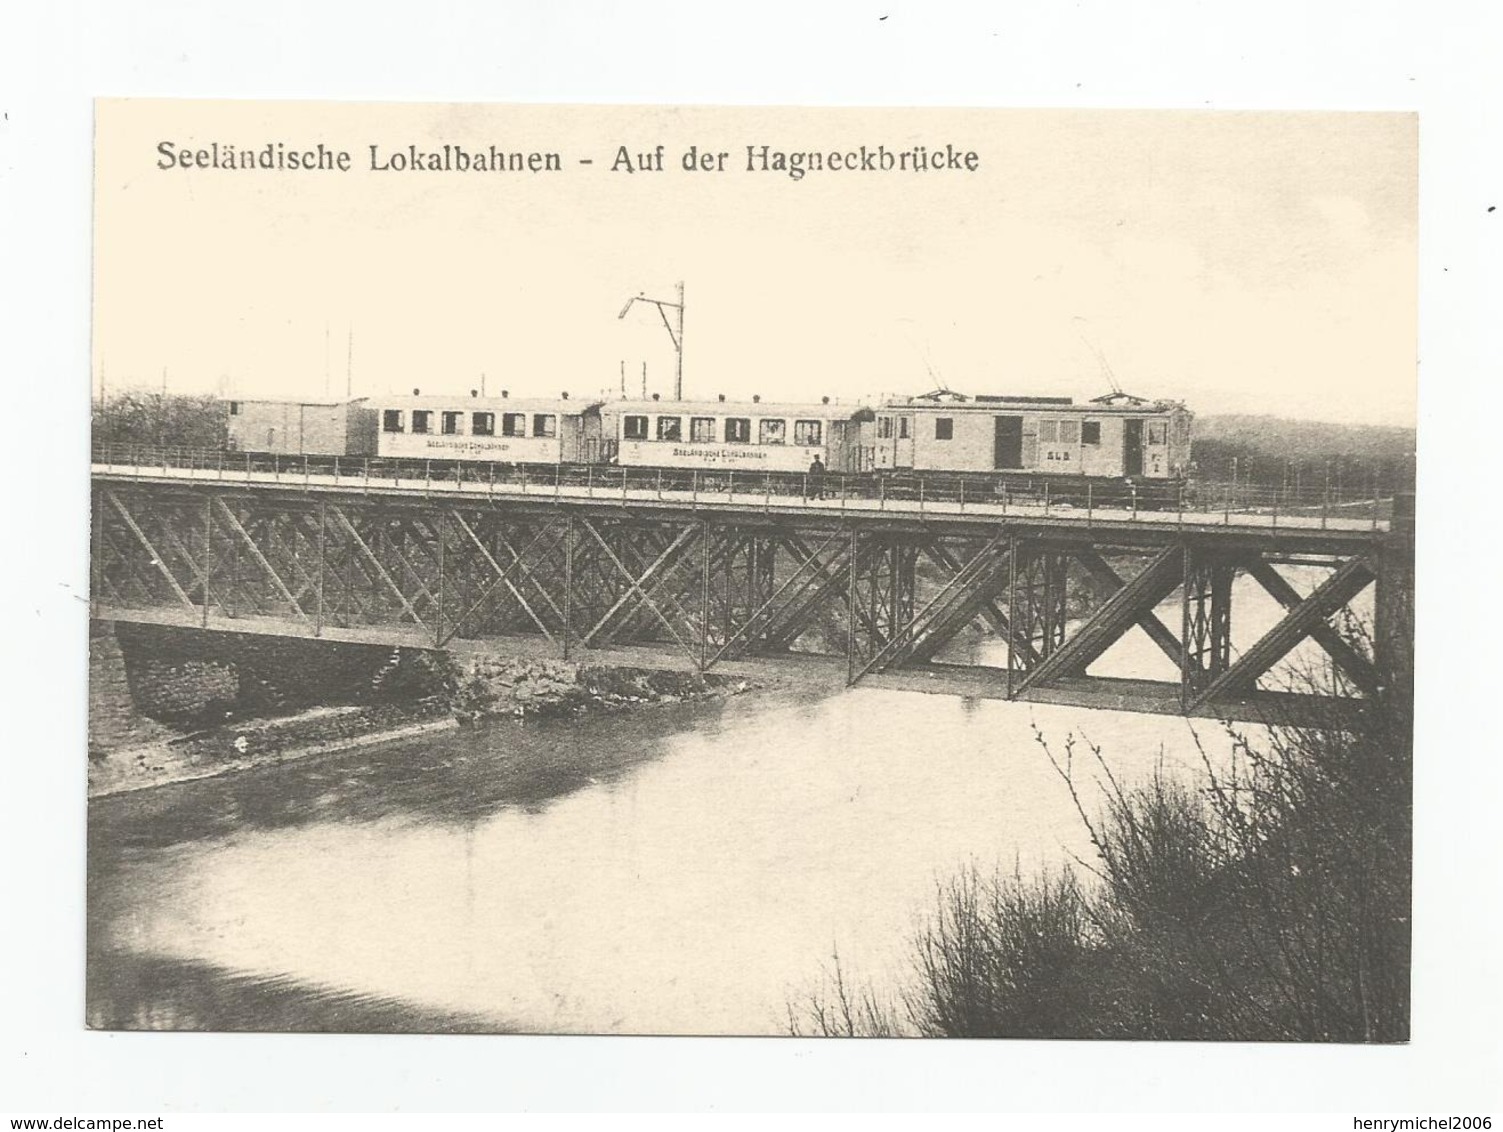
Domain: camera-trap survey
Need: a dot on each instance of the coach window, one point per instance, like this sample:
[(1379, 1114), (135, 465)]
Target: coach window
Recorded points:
[(513, 424), (545, 425), (1158, 432), (1048, 432), (903, 428), (702, 430), (483, 424), (422, 419), (773, 432), (449, 423), (670, 428), (1069, 432), (391, 420), (234, 408), (808, 434), (884, 428), (634, 428), (738, 430), (1090, 432), (944, 428)]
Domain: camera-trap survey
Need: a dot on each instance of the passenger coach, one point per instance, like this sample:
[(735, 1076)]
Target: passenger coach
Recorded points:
[(495, 429), (732, 436)]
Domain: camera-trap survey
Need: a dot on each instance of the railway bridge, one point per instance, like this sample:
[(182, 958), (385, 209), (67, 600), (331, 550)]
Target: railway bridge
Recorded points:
[(994, 597)]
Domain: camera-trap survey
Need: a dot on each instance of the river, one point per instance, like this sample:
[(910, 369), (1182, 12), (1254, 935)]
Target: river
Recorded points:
[(684, 869)]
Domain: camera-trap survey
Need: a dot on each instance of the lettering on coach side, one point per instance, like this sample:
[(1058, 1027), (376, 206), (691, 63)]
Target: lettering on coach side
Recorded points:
[(467, 445), (714, 454)]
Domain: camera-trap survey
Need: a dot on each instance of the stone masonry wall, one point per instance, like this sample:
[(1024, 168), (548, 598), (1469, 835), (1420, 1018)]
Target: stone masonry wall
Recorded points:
[(193, 678), (114, 719)]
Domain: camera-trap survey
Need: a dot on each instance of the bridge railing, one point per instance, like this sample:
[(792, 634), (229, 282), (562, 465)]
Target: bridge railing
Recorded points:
[(1200, 501)]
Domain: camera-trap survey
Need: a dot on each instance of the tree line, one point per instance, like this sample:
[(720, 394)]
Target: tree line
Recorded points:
[(169, 420)]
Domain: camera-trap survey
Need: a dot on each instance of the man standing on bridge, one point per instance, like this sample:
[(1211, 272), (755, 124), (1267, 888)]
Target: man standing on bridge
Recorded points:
[(814, 487)]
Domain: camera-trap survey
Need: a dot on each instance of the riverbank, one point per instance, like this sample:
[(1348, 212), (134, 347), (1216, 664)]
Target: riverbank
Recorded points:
[(128, 991), (470, 690)]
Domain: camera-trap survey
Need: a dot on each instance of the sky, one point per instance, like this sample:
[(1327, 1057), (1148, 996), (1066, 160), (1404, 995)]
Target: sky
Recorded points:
[(1240, 262)]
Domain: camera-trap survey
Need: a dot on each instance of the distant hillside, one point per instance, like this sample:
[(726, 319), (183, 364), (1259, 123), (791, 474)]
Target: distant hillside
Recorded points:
[(1267, 449)]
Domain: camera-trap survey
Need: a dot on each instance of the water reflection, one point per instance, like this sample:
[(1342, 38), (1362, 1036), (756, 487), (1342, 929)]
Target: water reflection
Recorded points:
[(706, 864), (456, 777), (679, 870), (128, 991)]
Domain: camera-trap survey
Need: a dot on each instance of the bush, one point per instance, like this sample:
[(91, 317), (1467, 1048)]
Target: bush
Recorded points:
[(1271, 903)]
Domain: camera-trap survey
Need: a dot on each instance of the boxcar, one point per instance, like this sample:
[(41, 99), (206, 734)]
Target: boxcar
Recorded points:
[(495, 429), (302, 428), (736, 436), (1041, 436)]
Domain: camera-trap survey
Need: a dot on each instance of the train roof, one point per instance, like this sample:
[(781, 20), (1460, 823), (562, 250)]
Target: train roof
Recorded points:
[(990, 404), (337, 403), (815, 411), (459, 402)]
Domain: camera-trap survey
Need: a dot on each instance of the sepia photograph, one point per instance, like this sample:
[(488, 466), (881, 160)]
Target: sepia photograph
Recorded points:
[(563, 569)]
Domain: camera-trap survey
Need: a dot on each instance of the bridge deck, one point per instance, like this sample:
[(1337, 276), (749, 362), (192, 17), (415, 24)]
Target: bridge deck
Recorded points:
[(1061, 516)]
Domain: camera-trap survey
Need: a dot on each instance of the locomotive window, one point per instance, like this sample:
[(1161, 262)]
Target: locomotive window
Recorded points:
[(391, 420), (234, 408), (450, 423), (1069, 432), (903, 428), (634, 428), (1090, 432), (702, 430), (1182, 430), (944, 428), (483, 424), (1048, 432), (1158, 432), (884, 428), (513, 424), (738, 430), (670, 428), (421, 419), (545, 425), (773, 432), (809, 434)]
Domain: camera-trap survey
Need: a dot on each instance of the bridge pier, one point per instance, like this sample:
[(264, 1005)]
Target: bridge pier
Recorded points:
[(882, 576), (1037, 607), (1206, 633), (743, 573)]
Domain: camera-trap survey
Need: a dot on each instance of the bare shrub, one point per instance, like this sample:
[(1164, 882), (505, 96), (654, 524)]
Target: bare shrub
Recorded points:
[(1270, 901)]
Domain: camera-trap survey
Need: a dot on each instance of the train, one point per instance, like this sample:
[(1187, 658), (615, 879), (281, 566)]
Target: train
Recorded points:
[(1108, 449)]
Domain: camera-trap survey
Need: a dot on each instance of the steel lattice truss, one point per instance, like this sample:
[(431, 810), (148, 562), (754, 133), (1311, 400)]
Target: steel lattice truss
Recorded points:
[(1025, 609)]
